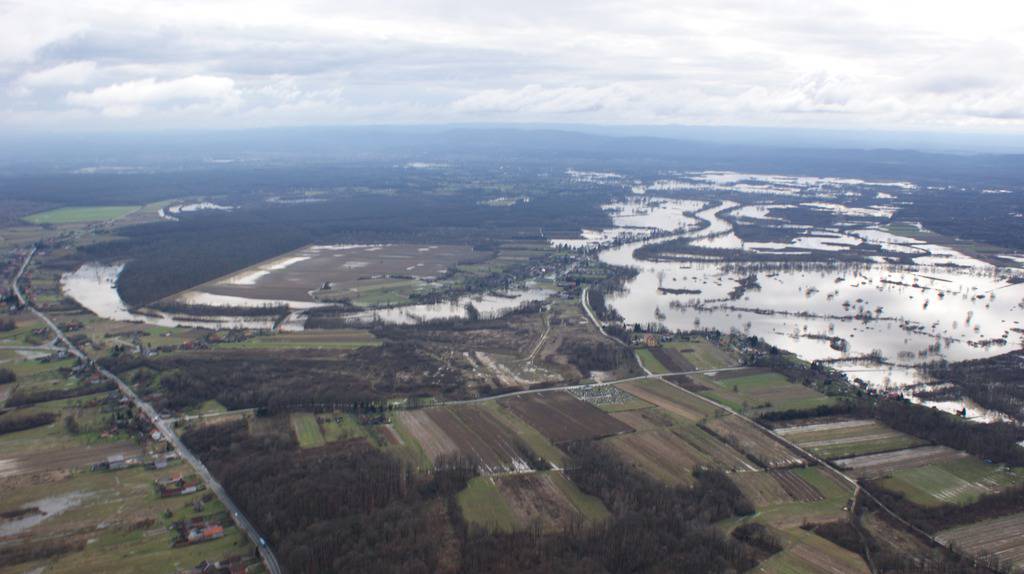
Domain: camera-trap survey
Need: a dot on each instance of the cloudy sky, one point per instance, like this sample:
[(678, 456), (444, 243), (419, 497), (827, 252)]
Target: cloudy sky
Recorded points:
[(887, 64)]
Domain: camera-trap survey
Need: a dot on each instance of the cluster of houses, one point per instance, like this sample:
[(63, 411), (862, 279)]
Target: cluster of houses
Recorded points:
[(198, 529), (178, 485)]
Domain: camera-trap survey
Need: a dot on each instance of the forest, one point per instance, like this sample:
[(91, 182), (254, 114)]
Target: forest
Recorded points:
[(288, 379), (349, 507)]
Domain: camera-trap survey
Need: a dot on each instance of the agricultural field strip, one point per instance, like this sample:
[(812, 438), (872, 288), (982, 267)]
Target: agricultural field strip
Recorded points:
[(810, 455), (999, 537), (785, 431), (851, 439), (906, 458), (269, 559)]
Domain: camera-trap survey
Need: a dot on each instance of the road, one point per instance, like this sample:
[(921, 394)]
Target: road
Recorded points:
[(269, 560)]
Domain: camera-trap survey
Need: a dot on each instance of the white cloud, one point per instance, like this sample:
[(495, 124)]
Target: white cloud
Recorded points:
[(234, 63), (70, 74), (129, 99)]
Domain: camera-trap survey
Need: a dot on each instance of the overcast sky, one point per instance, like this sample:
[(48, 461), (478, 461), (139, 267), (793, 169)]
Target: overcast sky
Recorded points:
[(888, 64)]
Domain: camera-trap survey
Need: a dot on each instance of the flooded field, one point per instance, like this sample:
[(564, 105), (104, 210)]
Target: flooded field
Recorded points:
[(875, 319)]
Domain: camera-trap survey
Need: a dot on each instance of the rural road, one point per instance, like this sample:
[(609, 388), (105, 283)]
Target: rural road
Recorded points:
[(269, 560)]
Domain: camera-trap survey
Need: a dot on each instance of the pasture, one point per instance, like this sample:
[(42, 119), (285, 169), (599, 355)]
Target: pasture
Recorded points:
[(94, 214), (702, 354), (367, 275), (762, 391), (548, 500), (307, 430)]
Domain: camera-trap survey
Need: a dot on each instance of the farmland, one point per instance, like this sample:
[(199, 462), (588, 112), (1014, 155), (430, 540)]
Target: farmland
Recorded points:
[(958, 481), (472, 432), (1002, 538), (81, 214), (71, 513), (665, 396), (561, 417), (846, 438), (752, 441), (662, 454), (881, 464)]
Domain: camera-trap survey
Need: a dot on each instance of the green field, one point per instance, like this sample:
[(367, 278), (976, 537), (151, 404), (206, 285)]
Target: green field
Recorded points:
[(959, 481), (763, 392), (808, 553), (81, 214), (652, 364), (483, 505), (307, 430), (590, 507), (326, 339), (341, 426), (703, 355)]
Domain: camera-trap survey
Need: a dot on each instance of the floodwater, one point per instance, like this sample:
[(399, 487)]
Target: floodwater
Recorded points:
[(948, 305), (47, 508), (94, 286), (489, 306)]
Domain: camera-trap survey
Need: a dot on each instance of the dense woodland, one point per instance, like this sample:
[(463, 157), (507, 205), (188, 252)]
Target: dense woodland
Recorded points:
[(164, 259), (349, 507), (289, 379)]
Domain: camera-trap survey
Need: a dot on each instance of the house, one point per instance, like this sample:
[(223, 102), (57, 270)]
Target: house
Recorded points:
[(209, 532)]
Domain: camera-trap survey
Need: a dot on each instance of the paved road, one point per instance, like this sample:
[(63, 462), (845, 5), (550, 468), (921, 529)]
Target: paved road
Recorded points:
[(269, 560)]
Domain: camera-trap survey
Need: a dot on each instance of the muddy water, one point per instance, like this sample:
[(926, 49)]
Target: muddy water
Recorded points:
[(489, 306), (908, 314), (48, 508), (94, 286)]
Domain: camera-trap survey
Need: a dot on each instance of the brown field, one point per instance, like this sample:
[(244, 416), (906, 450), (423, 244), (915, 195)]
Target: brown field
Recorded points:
[(768, 488), (34, 462), (428, 434), (467, 431), (645, 419), (671, 399), (687, 382), (1000, 537), (536, 499), (562, 417), (671, 359), (723, 456), (292, 276), (876, 465), (661, 454), (753, 441)]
